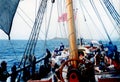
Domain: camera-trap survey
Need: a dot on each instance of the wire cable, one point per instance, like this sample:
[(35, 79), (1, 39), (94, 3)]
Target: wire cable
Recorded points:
[(98, 15)]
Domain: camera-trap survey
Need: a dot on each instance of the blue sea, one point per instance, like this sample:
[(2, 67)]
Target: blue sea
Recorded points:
[(12, 51)]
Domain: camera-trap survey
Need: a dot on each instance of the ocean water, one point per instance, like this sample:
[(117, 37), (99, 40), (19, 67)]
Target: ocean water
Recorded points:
[(12, 51)]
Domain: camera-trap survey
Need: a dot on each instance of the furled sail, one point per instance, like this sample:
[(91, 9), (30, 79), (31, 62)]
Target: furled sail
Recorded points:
[(7, 12)]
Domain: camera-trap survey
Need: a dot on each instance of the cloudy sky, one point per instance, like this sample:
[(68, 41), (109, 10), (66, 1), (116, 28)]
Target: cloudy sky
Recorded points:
[(26, 12)]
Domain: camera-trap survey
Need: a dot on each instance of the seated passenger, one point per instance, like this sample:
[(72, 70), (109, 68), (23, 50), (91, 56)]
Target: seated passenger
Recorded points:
[(56, 51), (61, 47)]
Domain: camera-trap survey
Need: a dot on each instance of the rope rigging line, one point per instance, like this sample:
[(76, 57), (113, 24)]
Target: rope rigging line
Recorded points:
[(112, 11), (114, 14), (24, 20), (47, 27), (13, 50), (48, 23), (117, 30), (97, 29), (31, 44), (98, 15), (36, 29), (83, 13), (58, 16), (26, 15), (82, 10)]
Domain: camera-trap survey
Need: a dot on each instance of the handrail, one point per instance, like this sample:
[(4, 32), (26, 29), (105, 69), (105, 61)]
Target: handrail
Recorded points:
[(21, 69)]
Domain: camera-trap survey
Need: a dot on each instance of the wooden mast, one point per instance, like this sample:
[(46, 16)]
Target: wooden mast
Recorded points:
[(72, 34)]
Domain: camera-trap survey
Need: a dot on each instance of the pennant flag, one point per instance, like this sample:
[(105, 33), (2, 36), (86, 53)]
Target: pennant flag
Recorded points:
[(64, 18)]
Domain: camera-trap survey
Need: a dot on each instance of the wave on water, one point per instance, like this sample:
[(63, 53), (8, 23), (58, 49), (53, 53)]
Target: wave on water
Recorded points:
[(12, 51)]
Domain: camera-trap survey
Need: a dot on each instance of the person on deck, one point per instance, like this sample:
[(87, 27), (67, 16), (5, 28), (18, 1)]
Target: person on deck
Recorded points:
[(33, 65), (111, 50), (14, 73), (47, 57), (3, 72), (116, 55), (116, 61), (55, 67), (110, 53), (86, 68), (56, 51), (61, 47), (101, 46), (63, 57)]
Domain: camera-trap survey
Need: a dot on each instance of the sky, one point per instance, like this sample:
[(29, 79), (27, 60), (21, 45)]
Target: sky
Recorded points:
[(27, 10)]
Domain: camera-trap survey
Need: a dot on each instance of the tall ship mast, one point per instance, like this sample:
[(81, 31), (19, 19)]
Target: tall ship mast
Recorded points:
[(72, 31), (93, 58)]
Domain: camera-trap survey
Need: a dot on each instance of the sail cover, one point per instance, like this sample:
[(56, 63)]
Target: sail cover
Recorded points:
[(7, 12)]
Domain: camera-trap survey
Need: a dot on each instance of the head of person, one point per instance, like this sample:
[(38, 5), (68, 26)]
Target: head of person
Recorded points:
[(110, 42), (3, 64), (81, 55), (52, 62)]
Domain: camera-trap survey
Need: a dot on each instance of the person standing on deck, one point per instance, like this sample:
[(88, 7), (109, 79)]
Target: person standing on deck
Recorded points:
[(101, 46), (55, 70), (3, 72), (111, 50), (14, 73), (33, 65), (116, 54), (47, 57)]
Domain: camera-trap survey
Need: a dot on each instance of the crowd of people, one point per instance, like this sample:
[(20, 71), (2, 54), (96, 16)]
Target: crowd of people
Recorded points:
[(100, 59), (4, 73), (105, 57)]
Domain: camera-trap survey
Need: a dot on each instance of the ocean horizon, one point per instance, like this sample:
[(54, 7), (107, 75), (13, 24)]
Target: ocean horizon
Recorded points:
[(12, 51)]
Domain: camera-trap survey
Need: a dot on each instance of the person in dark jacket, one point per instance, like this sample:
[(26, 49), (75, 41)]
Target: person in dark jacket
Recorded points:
[(47, 57), (14, 73), (55, 70), (3, 72)]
